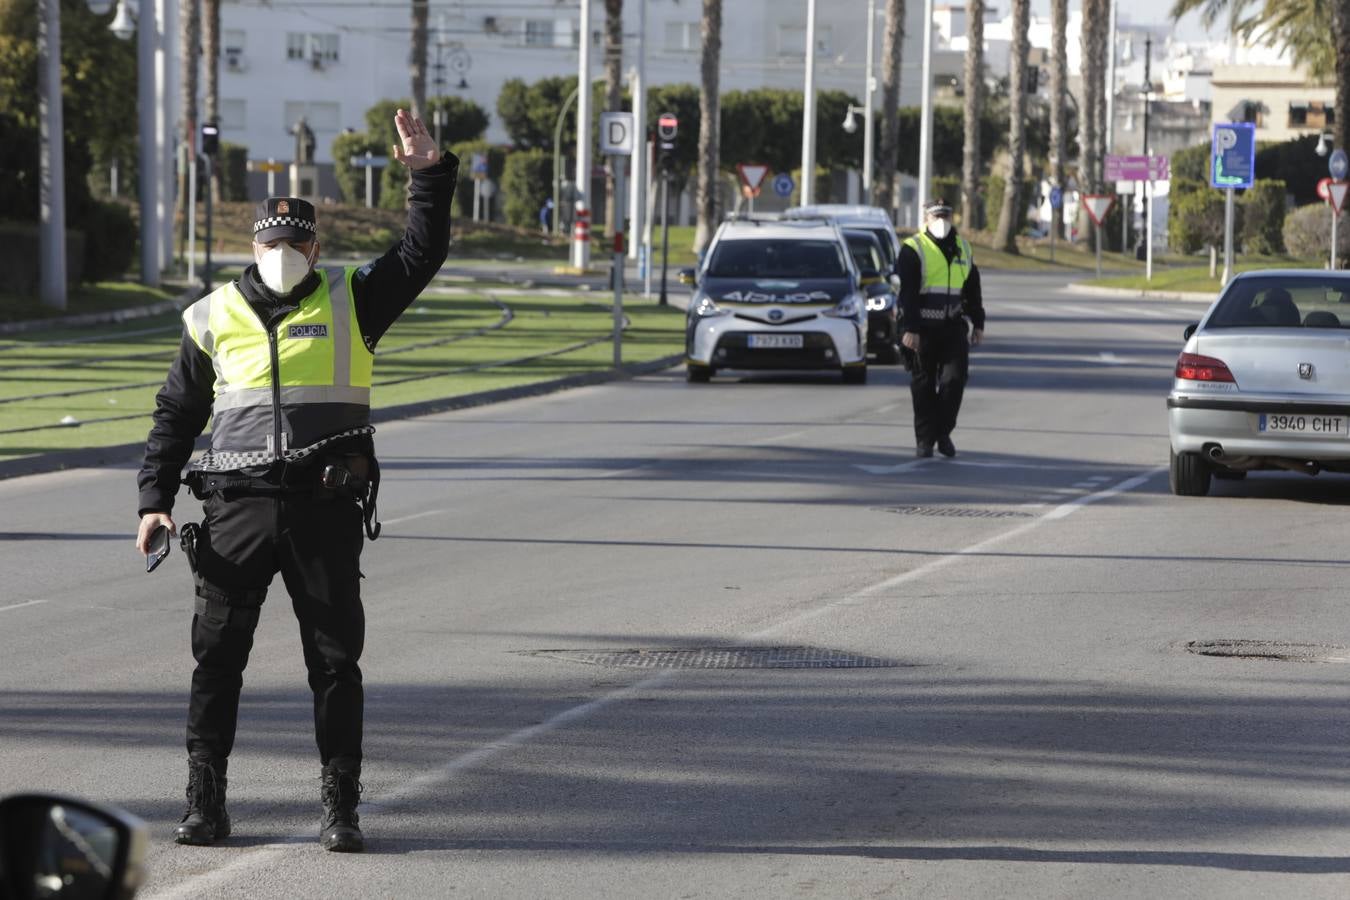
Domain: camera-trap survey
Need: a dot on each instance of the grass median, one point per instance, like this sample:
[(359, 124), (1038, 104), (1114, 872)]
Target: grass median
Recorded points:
[(1196, 279), (81, 388)]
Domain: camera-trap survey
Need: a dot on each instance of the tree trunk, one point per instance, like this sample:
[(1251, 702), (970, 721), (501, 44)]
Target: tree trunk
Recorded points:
[(1010, 217), (614, 101), (211, 56), (709, 111), (974, 78), (1102, 63), (417, 64), (190, 41), (1059, 111), (1341, 36), (888, 155)]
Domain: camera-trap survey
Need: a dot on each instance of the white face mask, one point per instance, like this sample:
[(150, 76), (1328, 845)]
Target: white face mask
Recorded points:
[(939, 228), (283, 267)]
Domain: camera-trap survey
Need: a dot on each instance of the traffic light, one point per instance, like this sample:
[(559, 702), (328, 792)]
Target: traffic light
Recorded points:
[(667, 127), (1033, 79), (210, 138)]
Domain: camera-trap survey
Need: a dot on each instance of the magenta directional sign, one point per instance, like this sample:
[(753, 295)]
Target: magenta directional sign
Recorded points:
[(1138, 168)]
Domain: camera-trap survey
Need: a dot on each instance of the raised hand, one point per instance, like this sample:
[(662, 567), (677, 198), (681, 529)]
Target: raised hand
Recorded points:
[(419, 150)]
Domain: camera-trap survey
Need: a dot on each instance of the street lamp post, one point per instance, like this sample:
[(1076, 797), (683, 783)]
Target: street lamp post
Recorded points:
[(581, 238), (926, 108), (809, 109), (869, 85), (557, 162)]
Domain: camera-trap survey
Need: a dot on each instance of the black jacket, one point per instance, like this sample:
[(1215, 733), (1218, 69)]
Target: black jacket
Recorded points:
[(381, 291), (910, 269)]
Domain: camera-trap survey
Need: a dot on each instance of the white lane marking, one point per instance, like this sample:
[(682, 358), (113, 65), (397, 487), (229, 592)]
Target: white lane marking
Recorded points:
[(1151, 313), (421, 515), (1085, 311), (1022, 307), (261, 855), (1111, 359), (892, 470), (22, 605)]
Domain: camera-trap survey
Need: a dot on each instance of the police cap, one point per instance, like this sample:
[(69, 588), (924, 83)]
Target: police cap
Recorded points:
[(284, 218)]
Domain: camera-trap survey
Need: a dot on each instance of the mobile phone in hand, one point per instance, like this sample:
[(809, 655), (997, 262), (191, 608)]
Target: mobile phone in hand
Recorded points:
[(158, 547)]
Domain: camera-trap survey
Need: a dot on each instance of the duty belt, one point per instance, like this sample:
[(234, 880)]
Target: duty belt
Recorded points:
[(330, 481)]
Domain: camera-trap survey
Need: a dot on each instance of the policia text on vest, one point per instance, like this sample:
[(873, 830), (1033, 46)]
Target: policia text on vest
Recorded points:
[(281, 362)]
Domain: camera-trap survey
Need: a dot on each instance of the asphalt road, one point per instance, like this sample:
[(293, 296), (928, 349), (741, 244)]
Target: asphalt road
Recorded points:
[(1038, 729)]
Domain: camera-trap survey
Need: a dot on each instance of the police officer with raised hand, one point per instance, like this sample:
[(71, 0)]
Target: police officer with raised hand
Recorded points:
[(281, 360), (939, 291)]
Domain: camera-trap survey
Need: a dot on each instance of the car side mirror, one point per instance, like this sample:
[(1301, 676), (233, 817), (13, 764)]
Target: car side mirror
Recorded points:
[(1189, 330), (869, 274), (895, 280), (53, 846), (688, 276)]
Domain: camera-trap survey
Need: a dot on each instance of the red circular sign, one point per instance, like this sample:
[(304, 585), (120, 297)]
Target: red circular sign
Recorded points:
[(667, 126)]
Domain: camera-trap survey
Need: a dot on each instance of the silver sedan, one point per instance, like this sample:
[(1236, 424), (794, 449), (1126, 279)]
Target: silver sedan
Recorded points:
[(1264, 381)]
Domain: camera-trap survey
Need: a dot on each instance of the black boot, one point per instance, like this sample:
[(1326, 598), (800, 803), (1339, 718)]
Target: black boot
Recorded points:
[(206, 820), (339, 830)]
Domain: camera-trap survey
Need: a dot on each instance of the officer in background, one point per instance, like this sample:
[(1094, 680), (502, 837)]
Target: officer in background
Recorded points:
[(282, 359), (939, 291)]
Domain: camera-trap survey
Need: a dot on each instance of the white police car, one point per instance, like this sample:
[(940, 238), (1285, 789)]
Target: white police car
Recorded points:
[(777, 294)]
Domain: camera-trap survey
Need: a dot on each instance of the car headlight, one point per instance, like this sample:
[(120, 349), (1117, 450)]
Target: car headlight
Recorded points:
[(848, 308), (706, 309), (879, 302)]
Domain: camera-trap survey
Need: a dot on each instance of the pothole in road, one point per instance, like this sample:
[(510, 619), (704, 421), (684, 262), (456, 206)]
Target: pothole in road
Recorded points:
[(796, 657), (954, 512), (1286, 651)]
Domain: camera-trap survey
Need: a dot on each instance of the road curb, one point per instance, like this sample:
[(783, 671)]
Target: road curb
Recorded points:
[(91, 457), (111, 317), (1191, 296)]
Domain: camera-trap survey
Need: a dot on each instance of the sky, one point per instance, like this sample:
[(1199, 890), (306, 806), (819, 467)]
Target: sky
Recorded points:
[(1138, 12)]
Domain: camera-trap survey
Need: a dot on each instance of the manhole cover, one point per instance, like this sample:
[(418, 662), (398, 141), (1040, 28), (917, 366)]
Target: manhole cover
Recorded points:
[(723, 658), (955, 512), (1281, 650)]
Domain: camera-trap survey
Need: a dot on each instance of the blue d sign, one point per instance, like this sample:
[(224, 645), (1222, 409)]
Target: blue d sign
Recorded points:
[(783, 184), (1339, 164)]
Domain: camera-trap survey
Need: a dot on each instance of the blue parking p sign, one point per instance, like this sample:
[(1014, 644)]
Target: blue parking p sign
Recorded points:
[(1233, 155), (1056, 198), (783, 184)]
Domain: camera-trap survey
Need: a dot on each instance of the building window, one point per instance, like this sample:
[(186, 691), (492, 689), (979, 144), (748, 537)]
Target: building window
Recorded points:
[(233, 115), (682, 36), (321, 116), (792, 41), (232, 41), (539, 32), (317, 48), (1298, 115)]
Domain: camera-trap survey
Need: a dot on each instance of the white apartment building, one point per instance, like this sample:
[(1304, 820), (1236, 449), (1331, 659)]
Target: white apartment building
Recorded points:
[(330, 60)]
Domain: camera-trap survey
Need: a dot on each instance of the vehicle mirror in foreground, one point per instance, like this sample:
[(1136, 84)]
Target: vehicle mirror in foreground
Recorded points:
[(687, 276), (52, 846), (1190, 330), (895, 281)]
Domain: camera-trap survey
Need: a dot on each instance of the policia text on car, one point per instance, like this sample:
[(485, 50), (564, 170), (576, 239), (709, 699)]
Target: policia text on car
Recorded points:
[(282, 360), (939, 290)]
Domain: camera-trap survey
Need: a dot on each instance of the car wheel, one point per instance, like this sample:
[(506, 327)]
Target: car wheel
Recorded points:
[(890, 356), (1188, 474), (1230, 474), (698, 374), (855, 375)]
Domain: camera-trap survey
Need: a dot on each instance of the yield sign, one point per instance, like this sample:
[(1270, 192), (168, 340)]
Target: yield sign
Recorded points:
[(1098, 205), (752, 175), (1322, 187), (1336, 195)]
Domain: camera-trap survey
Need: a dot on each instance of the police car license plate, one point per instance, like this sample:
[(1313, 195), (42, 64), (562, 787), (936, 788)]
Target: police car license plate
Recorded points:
[(1302, 423), (775, 342)]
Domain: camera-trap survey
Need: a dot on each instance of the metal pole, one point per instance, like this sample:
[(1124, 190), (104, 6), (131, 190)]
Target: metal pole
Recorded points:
[(637, 213), (166, 16), (926, 107), (1148, 227), (1148, 59), (581, 249), (1227, 235), (869, 85), (665, 233), (370, 183), (557, 163), (206, 268), (271, 177), (148, 176), (1099, 249), (192, 219), (1335, 217), (51, 158), (617, 272), (1053, 214), (1125, 226), (809, 109), (646, 235)]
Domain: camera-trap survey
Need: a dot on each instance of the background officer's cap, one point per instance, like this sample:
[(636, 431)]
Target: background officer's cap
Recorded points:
[(937, 207), (284, 218)]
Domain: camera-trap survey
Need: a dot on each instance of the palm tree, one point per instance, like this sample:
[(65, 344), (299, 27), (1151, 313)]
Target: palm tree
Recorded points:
[(974, 78), (1010, 217), (1089, 166), (417, 63), (613, 98), (211, 52), (888, 157), (189, 39), (709, 111), (1059, 111)]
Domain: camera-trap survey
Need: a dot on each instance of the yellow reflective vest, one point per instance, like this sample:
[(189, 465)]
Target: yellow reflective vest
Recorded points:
[(282, 389), (941, 282)]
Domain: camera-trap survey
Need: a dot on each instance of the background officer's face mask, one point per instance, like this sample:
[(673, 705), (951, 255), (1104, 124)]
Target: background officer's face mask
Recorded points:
[(939, 227), (283, 267)]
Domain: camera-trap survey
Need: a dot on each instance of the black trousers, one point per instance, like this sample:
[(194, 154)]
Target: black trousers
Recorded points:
[(938, 380), (316, 546)]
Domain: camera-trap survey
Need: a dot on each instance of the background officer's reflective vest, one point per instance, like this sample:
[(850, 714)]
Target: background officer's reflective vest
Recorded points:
[(287, 388), (940, 282)]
